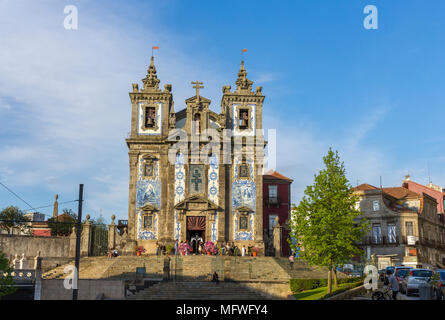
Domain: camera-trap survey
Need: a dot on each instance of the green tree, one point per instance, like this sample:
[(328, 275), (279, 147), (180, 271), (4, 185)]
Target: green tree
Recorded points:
[(12, 218), (6, 281), (325, 224), (63, 224)]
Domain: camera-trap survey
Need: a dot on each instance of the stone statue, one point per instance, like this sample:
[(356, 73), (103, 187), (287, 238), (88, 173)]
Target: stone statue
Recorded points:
[(23, 262)]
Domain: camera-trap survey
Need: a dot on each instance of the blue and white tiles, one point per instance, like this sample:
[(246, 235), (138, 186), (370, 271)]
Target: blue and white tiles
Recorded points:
[(213, 190), (179, 190), (148, 191)]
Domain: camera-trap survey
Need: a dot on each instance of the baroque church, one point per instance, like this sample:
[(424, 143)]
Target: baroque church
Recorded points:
[(175, 200)]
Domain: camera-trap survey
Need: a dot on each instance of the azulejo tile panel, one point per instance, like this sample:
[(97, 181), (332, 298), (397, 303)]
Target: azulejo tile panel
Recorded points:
[(148, 191), (179, 190), (147, 234), (213, 190), (243, 194)]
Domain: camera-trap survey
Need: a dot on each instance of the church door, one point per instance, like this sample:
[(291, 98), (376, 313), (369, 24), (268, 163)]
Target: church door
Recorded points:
[(196, 228)]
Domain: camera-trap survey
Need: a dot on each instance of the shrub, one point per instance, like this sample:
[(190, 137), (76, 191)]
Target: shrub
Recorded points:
[(298, 285)]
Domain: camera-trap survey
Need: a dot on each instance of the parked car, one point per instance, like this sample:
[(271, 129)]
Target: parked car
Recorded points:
[(413, 279), (390, 268), (400, 273), (438, 284)]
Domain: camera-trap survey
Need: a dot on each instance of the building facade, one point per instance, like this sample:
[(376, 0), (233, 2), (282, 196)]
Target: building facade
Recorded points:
[(186, 179), (277, 203), (404, 225)]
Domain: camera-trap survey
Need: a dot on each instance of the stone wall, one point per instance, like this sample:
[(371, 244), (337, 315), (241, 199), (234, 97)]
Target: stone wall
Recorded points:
[(49, 247), (89, 289), (271, 289), (30, 245)]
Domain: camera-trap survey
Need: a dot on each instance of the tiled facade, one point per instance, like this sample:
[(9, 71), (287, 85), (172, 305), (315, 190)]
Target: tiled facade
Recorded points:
[(169, 201)]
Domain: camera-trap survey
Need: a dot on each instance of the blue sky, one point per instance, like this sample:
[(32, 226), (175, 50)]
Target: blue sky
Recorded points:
[(377, 96)]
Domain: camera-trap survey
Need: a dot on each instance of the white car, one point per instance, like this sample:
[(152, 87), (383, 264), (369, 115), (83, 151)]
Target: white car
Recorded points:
[(413, 279)]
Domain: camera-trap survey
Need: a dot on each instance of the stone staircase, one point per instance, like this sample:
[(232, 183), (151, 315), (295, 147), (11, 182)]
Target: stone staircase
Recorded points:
[(189, 290), (192, 268)]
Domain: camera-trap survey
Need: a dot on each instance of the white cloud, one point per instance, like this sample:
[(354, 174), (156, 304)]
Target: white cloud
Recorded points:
[(302, 146), (71, 92)]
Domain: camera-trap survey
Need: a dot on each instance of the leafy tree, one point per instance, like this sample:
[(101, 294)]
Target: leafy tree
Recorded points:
[(63, 225), (326, 224), (13, 218), (6, 281)]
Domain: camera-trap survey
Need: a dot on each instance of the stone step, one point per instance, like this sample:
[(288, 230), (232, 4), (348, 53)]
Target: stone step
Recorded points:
[(196, 291), (192, 268)]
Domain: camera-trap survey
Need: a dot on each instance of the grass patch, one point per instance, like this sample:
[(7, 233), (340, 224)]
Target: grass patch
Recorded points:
[(321, 292)]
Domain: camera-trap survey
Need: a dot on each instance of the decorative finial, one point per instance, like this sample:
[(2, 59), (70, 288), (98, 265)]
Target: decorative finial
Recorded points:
[(242, 83), (112, 218), (151, 81), (88, 217)]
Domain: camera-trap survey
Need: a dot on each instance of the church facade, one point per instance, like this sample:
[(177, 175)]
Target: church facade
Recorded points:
[(196, 172)]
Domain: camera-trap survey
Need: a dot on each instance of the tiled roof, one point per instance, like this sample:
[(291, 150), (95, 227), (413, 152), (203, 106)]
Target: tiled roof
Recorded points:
[(271, 174), (400, 193), (365, 187)]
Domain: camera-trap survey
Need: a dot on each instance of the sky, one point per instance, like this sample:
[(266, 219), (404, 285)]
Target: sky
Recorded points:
[(375, 95)]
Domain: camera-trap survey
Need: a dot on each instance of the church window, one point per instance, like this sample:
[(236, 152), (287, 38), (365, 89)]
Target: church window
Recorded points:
[(148, 169), (243, 223), (243, 119), (150, 117), (148, 221)]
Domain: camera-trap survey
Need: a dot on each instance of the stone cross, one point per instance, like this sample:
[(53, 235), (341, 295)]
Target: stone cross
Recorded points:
[(197, 86), (196, 175)]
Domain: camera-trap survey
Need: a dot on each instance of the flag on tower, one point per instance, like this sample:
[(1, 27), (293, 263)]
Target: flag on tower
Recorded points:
[(155, 48), (244, 50)]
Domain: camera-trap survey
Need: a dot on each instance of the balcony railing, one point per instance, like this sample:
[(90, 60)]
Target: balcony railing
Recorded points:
[(383, 240), (275, 201)]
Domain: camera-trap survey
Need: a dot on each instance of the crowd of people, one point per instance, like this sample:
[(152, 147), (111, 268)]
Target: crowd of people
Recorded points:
[(201, 248)]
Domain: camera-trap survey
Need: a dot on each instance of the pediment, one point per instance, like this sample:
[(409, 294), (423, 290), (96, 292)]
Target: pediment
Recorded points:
[(196, 202), (201, 98), (148, 156), (244, 209), (149, 208)]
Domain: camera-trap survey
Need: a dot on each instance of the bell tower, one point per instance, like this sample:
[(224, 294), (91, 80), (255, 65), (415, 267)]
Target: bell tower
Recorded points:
[(243, 114), (152, 115)]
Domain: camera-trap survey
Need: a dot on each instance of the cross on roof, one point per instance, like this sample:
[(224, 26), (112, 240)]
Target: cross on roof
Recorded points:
[(197, 86)]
